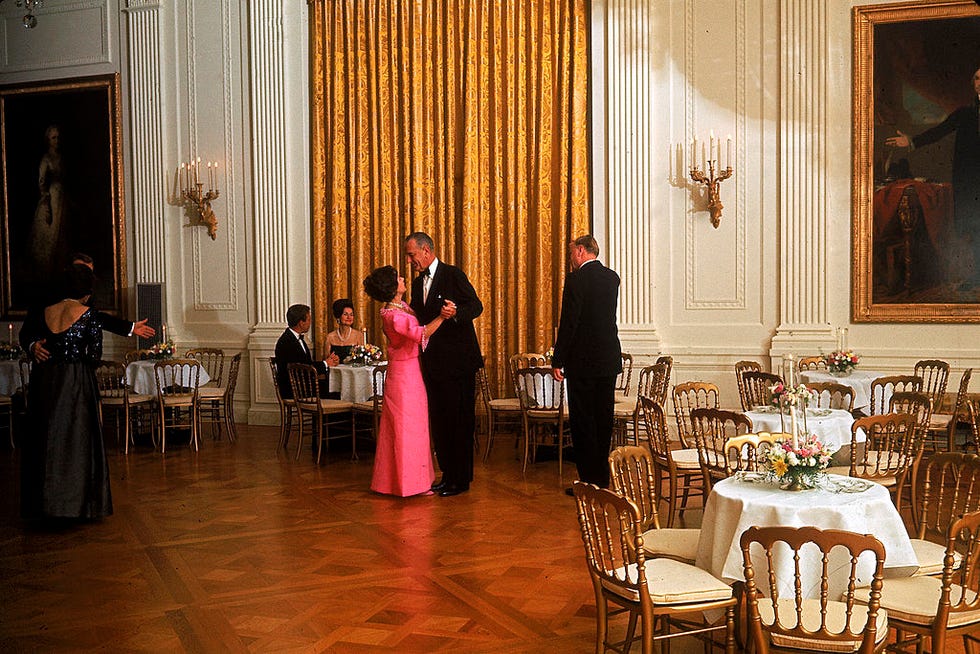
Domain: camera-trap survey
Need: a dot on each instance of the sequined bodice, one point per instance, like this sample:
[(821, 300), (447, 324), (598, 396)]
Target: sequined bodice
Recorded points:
[(80, 342)]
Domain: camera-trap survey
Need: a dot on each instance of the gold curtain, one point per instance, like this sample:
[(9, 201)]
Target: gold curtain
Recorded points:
[(465, 119)]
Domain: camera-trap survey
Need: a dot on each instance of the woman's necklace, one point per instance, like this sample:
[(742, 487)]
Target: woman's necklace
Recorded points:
[(340, 330), (396, 305)]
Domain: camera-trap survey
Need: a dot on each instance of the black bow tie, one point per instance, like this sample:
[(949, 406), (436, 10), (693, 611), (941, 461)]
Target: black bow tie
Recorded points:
[(425, 273)]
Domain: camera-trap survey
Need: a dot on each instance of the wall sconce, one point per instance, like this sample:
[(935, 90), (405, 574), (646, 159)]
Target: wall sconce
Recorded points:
[(194, 194), (711, 181)]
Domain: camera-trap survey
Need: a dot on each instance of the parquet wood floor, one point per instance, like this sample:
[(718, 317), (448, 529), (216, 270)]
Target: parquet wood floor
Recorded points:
[(234, 549)]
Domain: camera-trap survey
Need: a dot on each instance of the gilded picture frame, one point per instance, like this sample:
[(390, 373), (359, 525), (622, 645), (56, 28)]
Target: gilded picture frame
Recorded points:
[(912, 260), (62, 188)]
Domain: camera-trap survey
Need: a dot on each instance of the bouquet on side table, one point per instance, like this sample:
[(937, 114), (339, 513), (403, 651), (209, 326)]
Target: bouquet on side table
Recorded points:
[(841, 362), (799, 463), (364, 355), (10, 351), (161, 350)]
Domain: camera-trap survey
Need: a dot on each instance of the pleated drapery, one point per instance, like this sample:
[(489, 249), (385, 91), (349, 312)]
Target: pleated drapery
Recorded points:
[(465, 119)]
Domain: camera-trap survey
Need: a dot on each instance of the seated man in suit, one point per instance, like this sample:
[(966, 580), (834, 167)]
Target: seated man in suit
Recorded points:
[(293, 348)]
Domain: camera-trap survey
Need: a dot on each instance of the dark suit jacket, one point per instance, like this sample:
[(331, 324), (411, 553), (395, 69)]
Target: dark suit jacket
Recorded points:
[(588, 340), (453, 350), (289, 350)]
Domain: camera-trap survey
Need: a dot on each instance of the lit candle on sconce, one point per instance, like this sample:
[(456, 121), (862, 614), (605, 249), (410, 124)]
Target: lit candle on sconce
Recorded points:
[(710, 173), (197, 196), (728, 157)]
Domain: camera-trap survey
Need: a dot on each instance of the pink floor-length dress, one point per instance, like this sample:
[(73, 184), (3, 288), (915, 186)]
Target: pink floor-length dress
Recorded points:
[(403, 459)]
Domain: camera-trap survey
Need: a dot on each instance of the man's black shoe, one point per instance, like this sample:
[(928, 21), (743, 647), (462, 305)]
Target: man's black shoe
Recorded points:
[(570, 492), (451, 490), (439, 486)]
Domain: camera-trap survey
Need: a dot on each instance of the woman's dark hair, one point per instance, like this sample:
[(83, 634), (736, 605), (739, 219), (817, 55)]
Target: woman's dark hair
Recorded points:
[(382, 283), (340, 305), (79, 281)]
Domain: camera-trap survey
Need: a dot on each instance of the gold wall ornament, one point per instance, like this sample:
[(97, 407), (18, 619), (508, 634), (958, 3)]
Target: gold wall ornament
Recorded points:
[(711, 181), (194, 194)]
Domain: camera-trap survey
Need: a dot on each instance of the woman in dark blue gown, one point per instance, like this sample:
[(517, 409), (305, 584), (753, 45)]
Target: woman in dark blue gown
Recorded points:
[(64, 472)]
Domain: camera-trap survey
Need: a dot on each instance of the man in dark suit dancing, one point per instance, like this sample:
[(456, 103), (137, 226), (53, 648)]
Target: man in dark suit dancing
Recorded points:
[(32, 332), (589, 357), (293, 348), (449, 362)]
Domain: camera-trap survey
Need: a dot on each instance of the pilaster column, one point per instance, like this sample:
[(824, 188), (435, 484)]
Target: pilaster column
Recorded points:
[(268, 158), (147, 138), (626, 107), (803, 320)]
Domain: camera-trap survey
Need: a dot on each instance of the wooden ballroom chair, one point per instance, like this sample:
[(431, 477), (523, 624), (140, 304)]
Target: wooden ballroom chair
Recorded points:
[(633, 474), (658, 592), (940, 607), (527, 360), (663, 378), (372, 406), (116, 396), (217, 403), (177, 381), (212, 360), (919, 405), (831, 395), (747, 451), (687, 397), (815, 362), (681, 467), (935, 377), (826, 623), (503, 410), (758, 387), (883, 387), (742, 367), (652, 382), (544, 413), (137, 355), (942, 427), (890, 450), (304, 380), (712, 428), (287, 408), (950, 487), (7, 410), (625, 378)]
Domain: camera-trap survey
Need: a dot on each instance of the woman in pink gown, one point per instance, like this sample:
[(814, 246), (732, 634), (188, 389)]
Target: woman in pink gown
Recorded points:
[(403, 458)]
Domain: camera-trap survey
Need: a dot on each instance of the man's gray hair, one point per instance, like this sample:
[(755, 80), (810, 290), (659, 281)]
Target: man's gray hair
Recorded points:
[(422, 240)]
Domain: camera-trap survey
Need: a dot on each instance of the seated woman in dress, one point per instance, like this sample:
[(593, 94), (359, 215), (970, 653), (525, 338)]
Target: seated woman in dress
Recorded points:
[(64, 472), (341, 340), (403, 458)]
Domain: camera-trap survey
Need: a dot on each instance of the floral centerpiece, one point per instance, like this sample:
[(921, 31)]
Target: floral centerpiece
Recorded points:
[(363, 355), (161, 350), (841, 362), (797, 464), (784, 396), (10, 351), (549, 355)]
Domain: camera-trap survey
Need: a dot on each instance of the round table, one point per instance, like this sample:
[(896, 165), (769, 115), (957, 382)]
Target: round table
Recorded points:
[(859, 380), (831, 426), (735, 505), (354, 383), (140, 377)]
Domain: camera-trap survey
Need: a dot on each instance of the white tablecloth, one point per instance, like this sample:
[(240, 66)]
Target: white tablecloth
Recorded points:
[(9, 377), (354, 383), (833, 430), (139, 376), (859, 380), (734, 506)]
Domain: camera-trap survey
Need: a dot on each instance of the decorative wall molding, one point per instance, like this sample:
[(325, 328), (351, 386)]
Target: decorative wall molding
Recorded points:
[(148, 172), (204, 249), (71, 34)]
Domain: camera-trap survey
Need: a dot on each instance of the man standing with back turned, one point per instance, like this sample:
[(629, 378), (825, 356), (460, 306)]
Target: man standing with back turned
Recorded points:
[(450, 361), (589, 358)]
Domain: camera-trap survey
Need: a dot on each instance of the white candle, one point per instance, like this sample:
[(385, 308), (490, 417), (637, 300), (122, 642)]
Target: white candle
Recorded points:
[(694, 153), (364, 335), (163, 330), (210, 177), (728, 157), (216, 176), (792, 417), (837, 332), (844, 339), (704, 156), (711, 143), (10, 332)]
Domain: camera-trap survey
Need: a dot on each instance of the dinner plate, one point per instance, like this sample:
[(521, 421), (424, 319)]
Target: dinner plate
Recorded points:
[(850, 485), (751, 477), (818, 413), (765, 409)]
